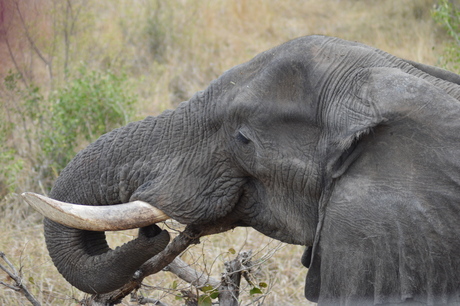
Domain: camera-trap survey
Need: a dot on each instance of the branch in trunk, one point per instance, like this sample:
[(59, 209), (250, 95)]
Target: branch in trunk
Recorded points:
[(191, 235)]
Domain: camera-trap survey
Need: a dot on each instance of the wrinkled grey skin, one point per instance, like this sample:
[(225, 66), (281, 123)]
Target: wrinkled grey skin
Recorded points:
[(319, 142)]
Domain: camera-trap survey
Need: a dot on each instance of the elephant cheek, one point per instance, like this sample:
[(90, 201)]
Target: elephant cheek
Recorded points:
[(200, 204)]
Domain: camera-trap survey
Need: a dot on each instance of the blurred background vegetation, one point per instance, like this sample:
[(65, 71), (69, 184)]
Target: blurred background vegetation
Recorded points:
[(72, 70)]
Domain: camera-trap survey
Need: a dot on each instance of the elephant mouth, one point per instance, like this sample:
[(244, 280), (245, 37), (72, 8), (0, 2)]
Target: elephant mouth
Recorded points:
[(125, 216)]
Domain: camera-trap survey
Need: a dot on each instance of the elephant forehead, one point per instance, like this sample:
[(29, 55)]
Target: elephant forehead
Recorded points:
[(252, 103), (272, 97)]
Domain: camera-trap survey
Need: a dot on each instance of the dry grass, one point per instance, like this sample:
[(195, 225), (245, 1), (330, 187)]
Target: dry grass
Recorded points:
[(194, 42)]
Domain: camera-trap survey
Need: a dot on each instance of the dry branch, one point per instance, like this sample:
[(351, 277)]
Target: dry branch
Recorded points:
[(228, 288), (195, 278), (18, 282), (166, 260), (191, 235)]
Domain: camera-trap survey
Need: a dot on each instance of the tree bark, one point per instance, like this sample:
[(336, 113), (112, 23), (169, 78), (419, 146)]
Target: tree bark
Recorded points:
[(19, 282)]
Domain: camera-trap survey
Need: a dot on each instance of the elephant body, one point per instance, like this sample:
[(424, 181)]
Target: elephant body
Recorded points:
[(320, 142)]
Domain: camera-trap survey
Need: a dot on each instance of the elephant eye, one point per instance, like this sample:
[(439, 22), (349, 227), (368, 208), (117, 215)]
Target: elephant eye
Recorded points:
[(242, 138)]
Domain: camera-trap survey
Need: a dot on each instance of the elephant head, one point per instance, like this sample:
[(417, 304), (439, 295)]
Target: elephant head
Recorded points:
[(320, 142)]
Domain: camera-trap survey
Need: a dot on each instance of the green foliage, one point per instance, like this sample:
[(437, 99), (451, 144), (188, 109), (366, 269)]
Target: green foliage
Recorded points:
[(263, 285), (448, 15), (204, 300), (11, 164), (9, 170), (255, 290), (209, 293), (91, 104)]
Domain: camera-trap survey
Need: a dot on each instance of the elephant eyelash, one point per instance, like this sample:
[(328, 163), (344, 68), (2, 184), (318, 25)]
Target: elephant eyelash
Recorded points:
[(242, 138)]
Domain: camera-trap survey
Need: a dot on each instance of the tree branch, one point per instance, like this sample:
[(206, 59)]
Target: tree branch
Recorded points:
[(190, 235), (195, 278), (19, 285)]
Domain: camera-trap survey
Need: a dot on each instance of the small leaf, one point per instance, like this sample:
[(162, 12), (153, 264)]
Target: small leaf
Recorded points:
[(31, 280), (207, 288), (255, 290), (179, 297), (214, 295), (174, 285), (232, 251), (263, 285), (204, 300)]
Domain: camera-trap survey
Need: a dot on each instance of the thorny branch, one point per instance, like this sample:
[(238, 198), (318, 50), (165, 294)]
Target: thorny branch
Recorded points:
[(16, 277)]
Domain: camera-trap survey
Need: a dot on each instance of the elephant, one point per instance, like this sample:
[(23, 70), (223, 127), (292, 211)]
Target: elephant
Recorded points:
[(321, 142)]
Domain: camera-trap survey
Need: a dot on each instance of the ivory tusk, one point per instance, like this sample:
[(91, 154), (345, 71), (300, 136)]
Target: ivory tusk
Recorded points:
[(96, 218)]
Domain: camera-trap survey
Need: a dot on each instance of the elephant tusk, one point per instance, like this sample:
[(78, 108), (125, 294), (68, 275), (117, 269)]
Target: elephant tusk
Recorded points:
[(96, 218)]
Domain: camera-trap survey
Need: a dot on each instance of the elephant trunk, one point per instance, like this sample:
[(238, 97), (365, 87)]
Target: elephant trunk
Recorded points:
[(109, 172), (86, 261), (106, 173)]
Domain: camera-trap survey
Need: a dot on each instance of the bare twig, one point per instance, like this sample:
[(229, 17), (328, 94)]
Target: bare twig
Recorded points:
[(16, 277)]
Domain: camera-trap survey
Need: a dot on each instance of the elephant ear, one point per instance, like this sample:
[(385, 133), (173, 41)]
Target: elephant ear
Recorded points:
[(388, 230), (346, 120)]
